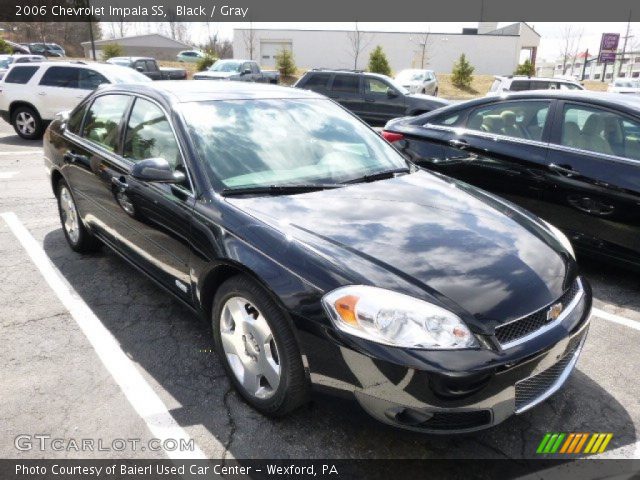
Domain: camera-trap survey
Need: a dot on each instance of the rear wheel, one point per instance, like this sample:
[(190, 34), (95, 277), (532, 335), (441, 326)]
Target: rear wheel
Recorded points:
[(257, 348), (27, 123), (77, 235)]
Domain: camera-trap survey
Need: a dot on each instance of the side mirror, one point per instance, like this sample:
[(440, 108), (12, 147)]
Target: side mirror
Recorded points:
[(246, 71), (62, 117), (392, 93), (139, 68), (156, 170)]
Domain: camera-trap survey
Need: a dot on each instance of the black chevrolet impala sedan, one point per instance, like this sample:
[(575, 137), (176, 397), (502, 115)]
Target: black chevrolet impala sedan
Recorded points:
[(571, 157), (320, 255)]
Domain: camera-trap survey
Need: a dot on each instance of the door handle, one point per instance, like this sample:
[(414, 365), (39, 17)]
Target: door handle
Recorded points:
[(461, 144), (42, 93), (369, 100), (72, 157), (564, 170), (120, 182)]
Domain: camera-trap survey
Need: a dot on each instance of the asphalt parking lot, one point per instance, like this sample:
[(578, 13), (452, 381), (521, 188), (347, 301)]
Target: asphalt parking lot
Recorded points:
[(58, 380)]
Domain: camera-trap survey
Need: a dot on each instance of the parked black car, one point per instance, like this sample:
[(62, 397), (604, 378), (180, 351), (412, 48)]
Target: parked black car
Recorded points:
[(374, 98), (571, 157), (320, 255), (149, 66)]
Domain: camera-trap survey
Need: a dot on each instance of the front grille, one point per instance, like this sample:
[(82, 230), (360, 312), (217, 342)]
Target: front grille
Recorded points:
[(522, 327), (457, 420), (532, 388)]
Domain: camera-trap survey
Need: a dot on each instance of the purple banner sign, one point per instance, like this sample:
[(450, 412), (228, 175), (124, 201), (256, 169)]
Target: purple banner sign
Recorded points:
[(608, 47)]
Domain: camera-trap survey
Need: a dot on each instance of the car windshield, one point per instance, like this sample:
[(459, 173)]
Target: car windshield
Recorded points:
[(126, 75), (410, 76), (261, 143), (225, 66)]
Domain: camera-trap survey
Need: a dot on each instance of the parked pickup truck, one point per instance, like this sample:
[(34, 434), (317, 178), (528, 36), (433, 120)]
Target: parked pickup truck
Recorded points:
[(239, 70), (149, 67)]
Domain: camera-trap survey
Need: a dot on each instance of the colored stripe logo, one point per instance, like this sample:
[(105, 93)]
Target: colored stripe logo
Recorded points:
[(573, 443)]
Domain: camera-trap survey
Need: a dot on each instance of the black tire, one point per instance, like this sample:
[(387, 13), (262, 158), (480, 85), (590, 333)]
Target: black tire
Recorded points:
[(293, 389), (85, 242), (27, 123)]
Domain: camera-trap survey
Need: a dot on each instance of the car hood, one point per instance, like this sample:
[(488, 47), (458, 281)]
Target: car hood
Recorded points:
[(208, 74), (420, 232)]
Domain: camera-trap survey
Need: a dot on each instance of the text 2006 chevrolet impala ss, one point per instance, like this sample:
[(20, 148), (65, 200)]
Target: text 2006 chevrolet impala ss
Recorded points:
[(320, 255)]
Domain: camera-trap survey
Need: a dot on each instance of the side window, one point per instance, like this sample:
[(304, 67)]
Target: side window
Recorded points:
[(448, 119), (75, 120), (375, 86), (519, 119), (62, 77), (151, 66), (254, 68), (140, 64), (103, 120), (90, 79), (346, 83), (149, 135), (317, 81), (20, 74), (600, 131), (539, 85), (520, 85)]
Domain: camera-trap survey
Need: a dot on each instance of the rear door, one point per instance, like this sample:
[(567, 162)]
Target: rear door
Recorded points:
[(59, 89), (345, 89), (594, 162), (382, 101), (503, 149)]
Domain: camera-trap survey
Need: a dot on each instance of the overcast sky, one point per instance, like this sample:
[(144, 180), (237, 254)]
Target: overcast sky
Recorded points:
[(550, 44)]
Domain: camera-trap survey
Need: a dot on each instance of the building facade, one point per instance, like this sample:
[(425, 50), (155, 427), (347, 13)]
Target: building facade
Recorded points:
[(489, 49)]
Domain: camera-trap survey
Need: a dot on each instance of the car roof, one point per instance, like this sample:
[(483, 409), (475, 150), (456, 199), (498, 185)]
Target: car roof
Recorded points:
[(347, 72), (132, 59), (179, 91), (524, 77)]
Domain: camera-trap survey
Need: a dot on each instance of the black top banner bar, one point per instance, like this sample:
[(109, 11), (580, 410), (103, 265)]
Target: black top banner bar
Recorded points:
[(317, 10)]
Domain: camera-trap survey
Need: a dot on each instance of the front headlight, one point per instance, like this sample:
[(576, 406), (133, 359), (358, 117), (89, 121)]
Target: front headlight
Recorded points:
[(561, 237), (395, 319)]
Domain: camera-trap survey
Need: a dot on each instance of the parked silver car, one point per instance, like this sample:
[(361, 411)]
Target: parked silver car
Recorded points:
[(418, 81)]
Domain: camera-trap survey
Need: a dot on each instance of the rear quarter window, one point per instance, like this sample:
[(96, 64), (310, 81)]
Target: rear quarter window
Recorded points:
[(20, 74)]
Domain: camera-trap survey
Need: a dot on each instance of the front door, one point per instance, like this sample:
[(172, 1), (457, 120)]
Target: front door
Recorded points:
[(594, 161), (382, 101)]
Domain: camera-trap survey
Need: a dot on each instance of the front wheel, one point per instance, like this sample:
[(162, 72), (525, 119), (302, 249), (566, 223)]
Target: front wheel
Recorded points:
[(77, 235), (257, 348)]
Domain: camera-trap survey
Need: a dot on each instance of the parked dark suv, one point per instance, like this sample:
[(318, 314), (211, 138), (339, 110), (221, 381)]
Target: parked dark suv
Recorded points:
[(374, 98)]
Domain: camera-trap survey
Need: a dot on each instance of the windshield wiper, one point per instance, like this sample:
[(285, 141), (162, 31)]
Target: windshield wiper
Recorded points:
[(279, 189), (372, 177)]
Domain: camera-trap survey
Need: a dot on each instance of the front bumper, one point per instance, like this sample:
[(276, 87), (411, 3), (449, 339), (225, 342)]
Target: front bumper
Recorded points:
[(453, 394)]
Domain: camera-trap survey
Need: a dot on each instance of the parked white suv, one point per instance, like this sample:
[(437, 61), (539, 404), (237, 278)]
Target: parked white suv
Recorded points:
[(32, 94), (624, 85), (518, 83)]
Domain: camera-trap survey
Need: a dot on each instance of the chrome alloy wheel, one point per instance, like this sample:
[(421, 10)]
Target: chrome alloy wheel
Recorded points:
[(26, 123), (69, 215), (250, 348)]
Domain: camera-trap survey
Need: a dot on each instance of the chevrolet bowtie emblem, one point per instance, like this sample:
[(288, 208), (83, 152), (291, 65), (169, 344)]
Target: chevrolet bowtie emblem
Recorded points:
[(554, 312)]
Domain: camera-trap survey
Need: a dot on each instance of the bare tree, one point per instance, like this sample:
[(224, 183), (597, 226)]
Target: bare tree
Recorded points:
[(177, 30), (357, 42), (422, 42), (249, 39), (571, 38)]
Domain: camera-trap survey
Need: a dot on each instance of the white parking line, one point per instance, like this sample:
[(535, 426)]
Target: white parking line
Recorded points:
[(610, 317), (141, 396), (23, 152), (7, 175)]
